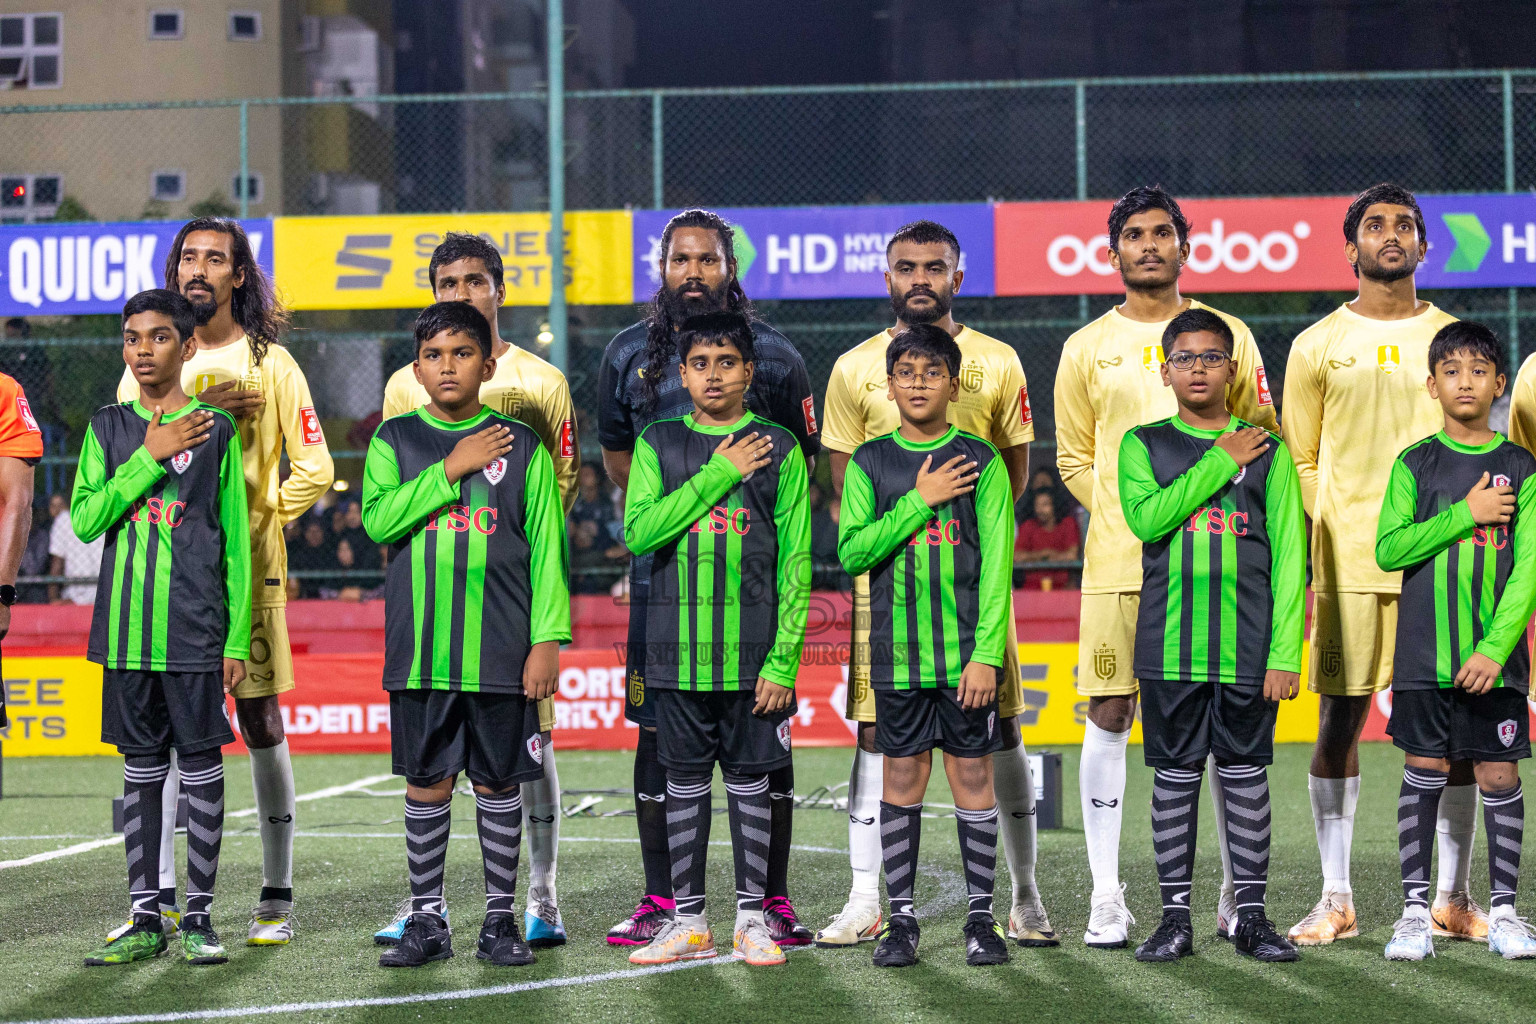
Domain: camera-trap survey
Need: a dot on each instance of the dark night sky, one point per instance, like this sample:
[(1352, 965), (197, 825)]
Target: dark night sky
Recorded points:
[(755, 42)]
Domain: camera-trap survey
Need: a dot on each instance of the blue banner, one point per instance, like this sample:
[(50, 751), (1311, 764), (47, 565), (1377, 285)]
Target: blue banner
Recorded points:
[(70, 269), (823, 252), (1479, 241)]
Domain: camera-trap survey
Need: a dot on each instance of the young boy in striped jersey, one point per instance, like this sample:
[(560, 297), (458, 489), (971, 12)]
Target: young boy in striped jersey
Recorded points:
[(475, 611), (928, 513), (718, 498), (1217, 506), (1459, 519), (161, 478)]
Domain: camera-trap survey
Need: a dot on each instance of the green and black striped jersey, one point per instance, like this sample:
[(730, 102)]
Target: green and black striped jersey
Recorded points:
[(939, 578), (1223, 557), (175, 591), (731, 573), (477, 568), (1466, 588)]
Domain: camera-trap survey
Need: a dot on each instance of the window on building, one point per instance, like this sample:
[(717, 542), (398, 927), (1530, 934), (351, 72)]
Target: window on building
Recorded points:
[(31, 51), (165, 24), (29, 197), (168, 186), (245, 25), (252, 187)]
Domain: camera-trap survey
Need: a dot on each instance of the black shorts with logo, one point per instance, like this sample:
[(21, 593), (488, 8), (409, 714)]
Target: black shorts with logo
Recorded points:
[(694, 730), (1455, 724), (148, 713), (908, 722), (1184, 722), (636, 708), (491, 737)]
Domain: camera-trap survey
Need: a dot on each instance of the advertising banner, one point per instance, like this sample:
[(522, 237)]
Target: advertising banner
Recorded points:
[(1236, 245), (74, 269), (822, 252), (380, 262), (1479, 241)]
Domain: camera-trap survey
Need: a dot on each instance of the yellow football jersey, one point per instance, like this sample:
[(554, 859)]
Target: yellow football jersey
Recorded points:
[(993, 402), (288, 418), (1522, 406), (524, 387), (1354, 399), (1108, 382)]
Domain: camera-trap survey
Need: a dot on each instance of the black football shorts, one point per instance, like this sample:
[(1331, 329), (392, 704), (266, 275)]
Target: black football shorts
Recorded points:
[(1455, 724), (1184, 722), (695, 730), (148, 713), (908, 722), (491, 737)]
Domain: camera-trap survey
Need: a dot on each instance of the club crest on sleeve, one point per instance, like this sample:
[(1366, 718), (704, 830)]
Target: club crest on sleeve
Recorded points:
[(1507, 731), (808, 407), (1262, 380), (1500, 480), (495, 471), (536, 749), (311, 426), (567, 439), (181, 460), (25, 412), (1242, 472), (783, 733)]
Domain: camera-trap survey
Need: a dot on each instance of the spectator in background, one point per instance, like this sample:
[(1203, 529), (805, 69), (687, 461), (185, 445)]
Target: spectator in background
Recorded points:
[(593, 531), (826, 572), (1046, 537), (315, 552), (594, 498), (35, 559), (70, 556), (364, 553), (1045, 479)]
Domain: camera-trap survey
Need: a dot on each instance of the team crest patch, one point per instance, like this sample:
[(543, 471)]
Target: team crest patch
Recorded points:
[(1330, 659), (1507, 731), (1387, 358), (1151, 357), (567, 439), (1026, 414), (181, 460), (783, 734), (808, 409), (1242, 471), (971, 376), (1104, 662), (25, 412), (1262, 380), (536, 749), (991, 723), (1500, 480), (636, 689), (311, 426), (495, 471)]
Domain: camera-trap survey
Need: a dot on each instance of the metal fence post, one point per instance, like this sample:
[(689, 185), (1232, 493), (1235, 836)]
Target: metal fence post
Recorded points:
[(557, 317), (245, 158), (1509, 186), (1080, 132), (658, 165)]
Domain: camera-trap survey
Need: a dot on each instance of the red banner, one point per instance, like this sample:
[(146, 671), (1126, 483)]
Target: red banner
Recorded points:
[(340, 707), (1236, 245)]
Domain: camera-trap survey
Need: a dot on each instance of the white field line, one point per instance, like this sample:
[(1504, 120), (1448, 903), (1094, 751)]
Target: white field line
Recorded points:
[(394, 1000), (96, 844)]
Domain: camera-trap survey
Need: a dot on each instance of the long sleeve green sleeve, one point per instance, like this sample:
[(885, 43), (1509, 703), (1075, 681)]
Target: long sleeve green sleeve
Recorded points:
[(994, 519), (392, 509), (792, 523), (1401, 542), (1517, 601), (862, 539), (1153, 512), (235, 520), (652, 518), (544, 526), (97, 502), (1287, 561)]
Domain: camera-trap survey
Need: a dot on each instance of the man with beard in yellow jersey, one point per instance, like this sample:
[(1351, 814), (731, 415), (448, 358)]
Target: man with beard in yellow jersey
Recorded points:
[(1354, 398), (1109, 382), (239, 367), (467, 268), (923, 274)]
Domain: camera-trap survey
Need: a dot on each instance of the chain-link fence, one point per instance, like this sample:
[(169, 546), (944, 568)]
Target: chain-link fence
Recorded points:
[(1471, 131)]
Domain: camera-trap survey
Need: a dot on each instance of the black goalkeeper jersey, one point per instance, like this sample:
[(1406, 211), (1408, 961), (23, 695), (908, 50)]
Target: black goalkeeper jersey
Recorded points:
[(477, 568), (175, 574)]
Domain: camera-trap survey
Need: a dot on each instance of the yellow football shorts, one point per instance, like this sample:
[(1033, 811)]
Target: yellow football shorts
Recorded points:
[(1353, 640), (861, 698), (1106, 645), (269, 669)]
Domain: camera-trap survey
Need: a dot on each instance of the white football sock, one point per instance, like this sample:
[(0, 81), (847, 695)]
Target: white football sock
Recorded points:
[(866, 785), (272, 778), (1456, 833), (168, 798), (1218, 801), (541, 822), (1333, 814), (1101, 784), (1014, 785)]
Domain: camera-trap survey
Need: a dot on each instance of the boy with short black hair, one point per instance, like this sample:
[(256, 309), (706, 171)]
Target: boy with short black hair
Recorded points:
[(1217, 505), (1459, 519), (928, 513), (161, 478), (718, 497), (475, 611)]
